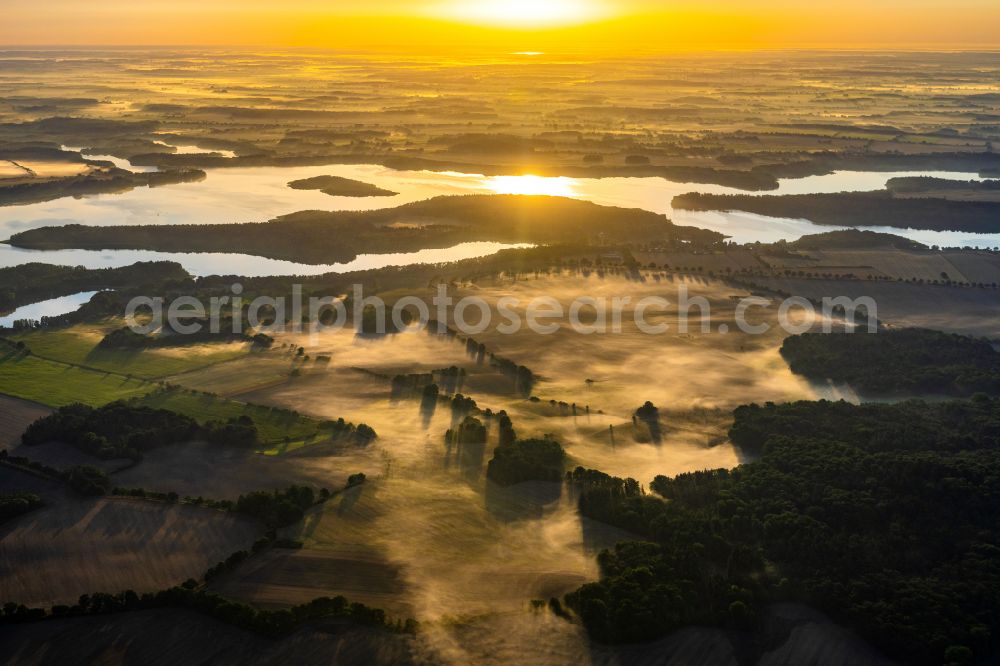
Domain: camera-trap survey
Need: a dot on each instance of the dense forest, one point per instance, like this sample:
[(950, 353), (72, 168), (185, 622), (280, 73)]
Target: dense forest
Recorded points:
[(852, 239), (897, 361), (30, 283), (854, 209), (914, 425), (921, 184), (277, 508), (884, 516), (337, 186), (326, 237), (14, 504), (124, 430)]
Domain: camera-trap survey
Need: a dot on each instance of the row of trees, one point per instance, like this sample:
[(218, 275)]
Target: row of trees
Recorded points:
[(268, 623), (522, 376), (448, 380)]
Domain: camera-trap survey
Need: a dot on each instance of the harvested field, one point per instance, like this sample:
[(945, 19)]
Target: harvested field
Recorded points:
[(242, 375), (55, 554), (199, 468), (343, 554), (166, 637), (15, 416), (970, 311), (734, 260), (282, 577), (64, 456), (976, 267), (706, 369), (896, 264), (17, 481)]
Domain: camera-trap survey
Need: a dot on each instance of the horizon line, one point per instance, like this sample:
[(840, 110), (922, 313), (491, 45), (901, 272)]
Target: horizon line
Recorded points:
[(886, 48)]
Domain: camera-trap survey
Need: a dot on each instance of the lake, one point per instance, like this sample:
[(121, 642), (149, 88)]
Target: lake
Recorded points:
[(50, 308), (257, 194)]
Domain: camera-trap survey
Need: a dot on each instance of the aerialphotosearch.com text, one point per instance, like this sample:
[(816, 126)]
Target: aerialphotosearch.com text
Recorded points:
[(508, 315)]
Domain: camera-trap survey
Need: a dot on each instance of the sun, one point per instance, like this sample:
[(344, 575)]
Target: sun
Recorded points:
[(522, 13)]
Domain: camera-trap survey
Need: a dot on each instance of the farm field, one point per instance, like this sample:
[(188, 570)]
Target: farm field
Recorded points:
[(600, 497), (708, 369), (972, 267), (603, 438), (18, 481), (62, 456), (351, 540), (202, 469), (15, 416), (342, 554), (971, 311), (274, 426), (56, 553), (77, 345), (166, 637), (452, 562), (57, 384), (235, 377)]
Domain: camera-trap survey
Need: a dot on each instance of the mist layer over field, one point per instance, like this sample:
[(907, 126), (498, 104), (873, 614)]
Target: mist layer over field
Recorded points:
[(428, 534)]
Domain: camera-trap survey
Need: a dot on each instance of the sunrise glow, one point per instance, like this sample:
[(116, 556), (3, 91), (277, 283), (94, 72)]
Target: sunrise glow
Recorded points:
[(620, 27), (523, 13), (552, 332)]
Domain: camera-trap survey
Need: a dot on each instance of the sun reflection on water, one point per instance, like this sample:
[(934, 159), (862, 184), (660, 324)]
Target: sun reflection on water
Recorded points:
[(557, 186)]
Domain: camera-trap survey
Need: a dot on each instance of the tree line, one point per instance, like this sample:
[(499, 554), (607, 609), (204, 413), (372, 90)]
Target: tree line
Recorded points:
[(267, 623)]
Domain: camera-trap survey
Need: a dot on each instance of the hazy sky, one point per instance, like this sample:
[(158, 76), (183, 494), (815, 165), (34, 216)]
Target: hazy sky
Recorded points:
[(617, 25)]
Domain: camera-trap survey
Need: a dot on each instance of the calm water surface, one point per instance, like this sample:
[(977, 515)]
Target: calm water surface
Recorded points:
[(49, 308), (257, 194)]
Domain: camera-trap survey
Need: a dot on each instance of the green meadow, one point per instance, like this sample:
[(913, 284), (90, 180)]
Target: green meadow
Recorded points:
[(279, 429), (77, 345), (57, 384)]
